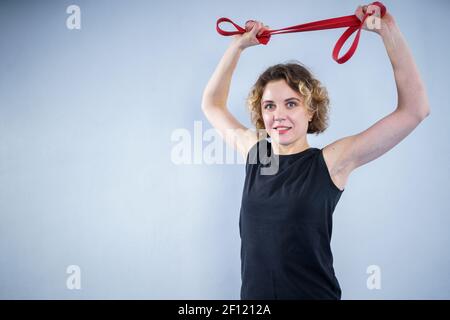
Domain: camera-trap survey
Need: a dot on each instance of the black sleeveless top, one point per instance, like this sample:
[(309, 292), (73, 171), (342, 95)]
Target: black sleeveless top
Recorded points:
[(285, 226)]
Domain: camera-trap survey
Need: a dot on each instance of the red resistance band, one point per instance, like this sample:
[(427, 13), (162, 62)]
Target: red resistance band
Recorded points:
[(352, 22)]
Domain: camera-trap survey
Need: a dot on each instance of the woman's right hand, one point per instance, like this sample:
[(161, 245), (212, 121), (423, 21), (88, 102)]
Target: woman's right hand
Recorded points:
[(248, 38)]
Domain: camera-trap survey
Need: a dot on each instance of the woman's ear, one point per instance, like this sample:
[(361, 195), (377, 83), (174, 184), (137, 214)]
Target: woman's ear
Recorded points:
[(309, 114)]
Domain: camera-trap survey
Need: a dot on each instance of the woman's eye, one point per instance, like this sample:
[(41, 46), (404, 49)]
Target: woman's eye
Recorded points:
[(268, 106)]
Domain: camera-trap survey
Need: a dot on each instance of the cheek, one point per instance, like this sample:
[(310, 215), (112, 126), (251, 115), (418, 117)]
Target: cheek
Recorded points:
[(300, 117), (267, 119)]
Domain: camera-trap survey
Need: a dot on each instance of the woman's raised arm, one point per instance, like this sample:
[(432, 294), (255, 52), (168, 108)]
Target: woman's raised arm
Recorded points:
[(215, 95), (346, 154)]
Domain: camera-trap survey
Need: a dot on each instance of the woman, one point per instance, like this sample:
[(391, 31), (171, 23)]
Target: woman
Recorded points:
[(286, 214)]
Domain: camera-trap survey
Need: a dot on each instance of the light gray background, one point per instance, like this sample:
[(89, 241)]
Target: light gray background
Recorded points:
[(86, 175)]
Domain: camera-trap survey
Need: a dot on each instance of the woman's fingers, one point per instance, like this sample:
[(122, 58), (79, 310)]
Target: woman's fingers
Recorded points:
[(264, 28), (362, 10), (253, 24), (359, 12), (249, 25), (374, 10), (256, 28)]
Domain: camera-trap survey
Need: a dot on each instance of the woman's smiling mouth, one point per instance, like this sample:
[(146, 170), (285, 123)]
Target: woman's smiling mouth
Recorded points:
[(282, 129)]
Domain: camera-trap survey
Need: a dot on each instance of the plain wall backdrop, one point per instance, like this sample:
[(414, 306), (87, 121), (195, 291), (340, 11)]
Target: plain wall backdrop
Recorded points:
[(87, 176)]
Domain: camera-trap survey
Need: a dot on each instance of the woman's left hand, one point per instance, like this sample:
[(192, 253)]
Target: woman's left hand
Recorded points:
[(374, 23)]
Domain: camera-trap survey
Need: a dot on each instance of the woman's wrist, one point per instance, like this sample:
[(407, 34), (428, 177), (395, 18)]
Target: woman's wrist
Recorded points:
[(387, 29), (236, 46)]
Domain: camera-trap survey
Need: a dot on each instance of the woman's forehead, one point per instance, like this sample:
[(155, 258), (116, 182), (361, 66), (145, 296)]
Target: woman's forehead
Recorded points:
[(278, 90)]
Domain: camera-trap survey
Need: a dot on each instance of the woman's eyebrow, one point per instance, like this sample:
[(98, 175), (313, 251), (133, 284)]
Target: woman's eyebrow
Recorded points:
[(292, 98)]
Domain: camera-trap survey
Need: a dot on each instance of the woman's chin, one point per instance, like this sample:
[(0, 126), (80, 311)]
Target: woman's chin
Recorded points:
[(281, 139)]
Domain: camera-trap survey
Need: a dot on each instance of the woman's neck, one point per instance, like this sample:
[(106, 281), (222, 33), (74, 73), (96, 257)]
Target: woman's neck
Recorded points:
[(292, 148)]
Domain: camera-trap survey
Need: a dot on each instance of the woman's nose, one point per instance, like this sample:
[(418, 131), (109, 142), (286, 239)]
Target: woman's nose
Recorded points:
[(279, 116)]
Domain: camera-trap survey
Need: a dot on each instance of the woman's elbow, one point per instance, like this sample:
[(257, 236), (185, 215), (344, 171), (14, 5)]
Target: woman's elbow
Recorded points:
[(426, 112)]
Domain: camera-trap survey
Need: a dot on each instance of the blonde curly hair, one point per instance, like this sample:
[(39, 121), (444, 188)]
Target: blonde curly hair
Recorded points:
[(300, 79)]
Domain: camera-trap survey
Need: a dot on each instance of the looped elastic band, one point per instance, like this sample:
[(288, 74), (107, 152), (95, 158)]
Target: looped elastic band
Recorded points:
[(352, 22)]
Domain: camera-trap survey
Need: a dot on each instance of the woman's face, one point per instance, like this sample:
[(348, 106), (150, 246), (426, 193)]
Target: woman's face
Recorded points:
[(282, 106)]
